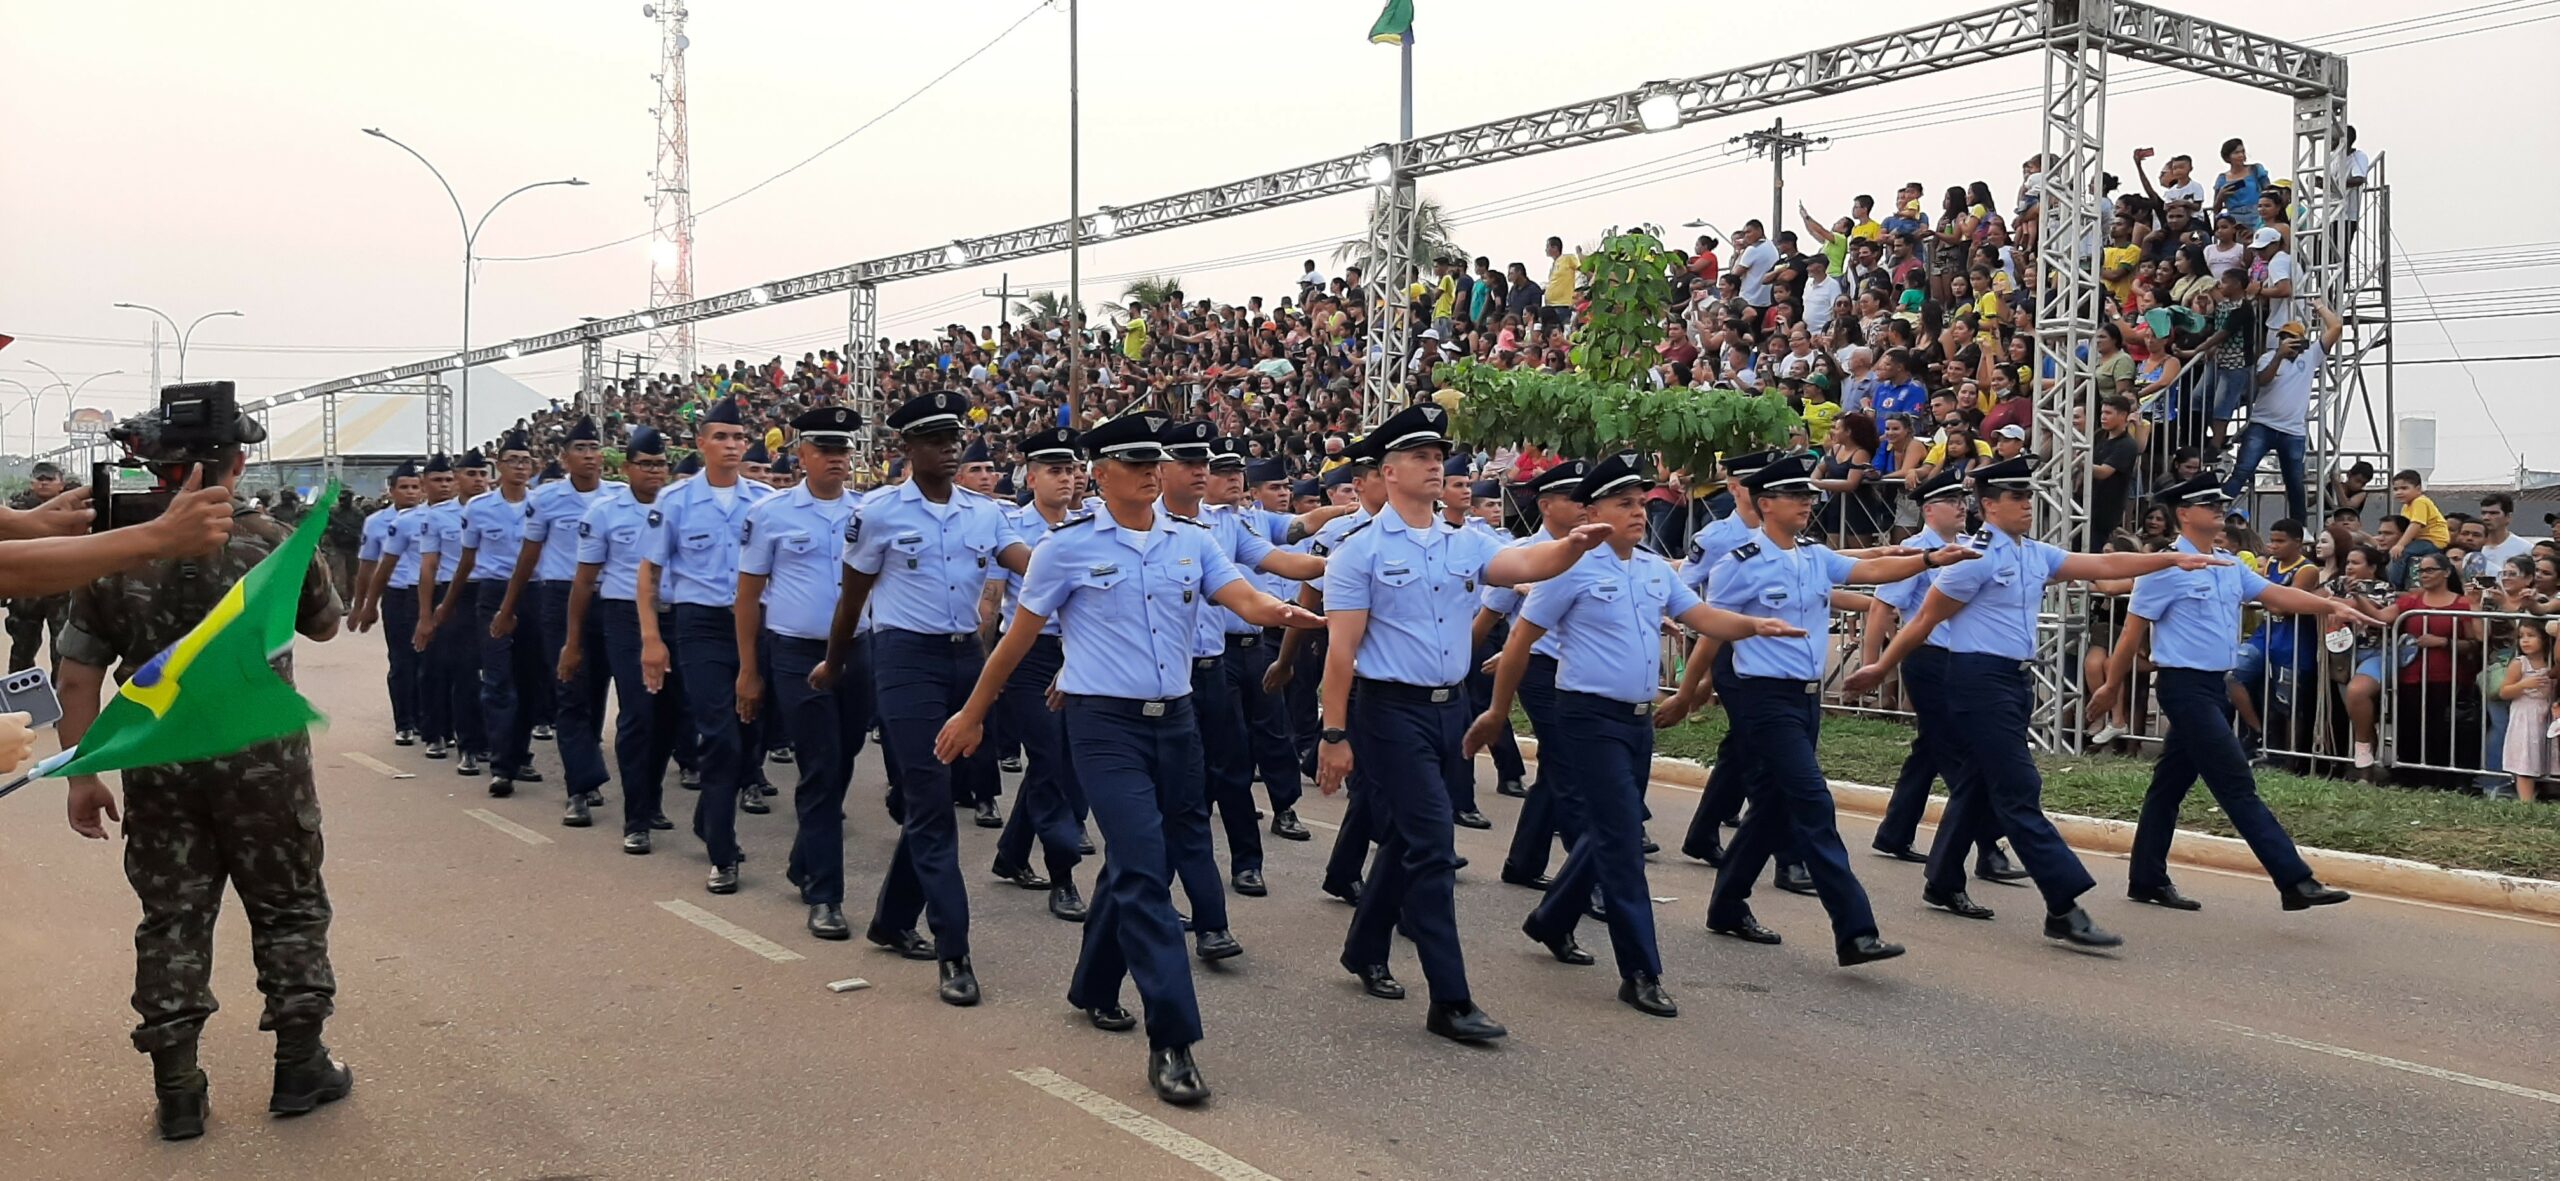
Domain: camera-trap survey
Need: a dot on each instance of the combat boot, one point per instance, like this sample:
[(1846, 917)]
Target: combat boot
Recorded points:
[(306, 1076)]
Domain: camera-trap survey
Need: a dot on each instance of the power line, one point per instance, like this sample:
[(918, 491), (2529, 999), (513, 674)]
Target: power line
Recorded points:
[(2476, 361), (2467, 373)]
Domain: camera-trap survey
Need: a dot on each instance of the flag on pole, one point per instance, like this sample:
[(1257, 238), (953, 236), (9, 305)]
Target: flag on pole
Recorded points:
[(213, 693), (1395, 24)]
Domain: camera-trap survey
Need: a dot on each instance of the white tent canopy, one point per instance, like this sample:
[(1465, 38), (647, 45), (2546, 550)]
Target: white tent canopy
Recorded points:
[(396, 424)]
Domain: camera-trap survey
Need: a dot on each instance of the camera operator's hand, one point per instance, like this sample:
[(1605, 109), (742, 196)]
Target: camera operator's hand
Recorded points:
[(198, 520), (17, 742), (89, 798), (66, 515)]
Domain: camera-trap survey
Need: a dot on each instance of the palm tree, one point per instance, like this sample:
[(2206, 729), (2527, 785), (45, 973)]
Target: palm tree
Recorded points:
[(1433, 239), (1152, 290), (1043, 309)]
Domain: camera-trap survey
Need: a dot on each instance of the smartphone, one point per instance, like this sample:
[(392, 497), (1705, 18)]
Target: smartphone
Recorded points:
[(31, 692)]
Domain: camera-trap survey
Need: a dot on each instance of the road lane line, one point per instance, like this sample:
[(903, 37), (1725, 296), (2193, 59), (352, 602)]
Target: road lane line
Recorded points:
[(1154, 1131), (362, 759), (731, 931), (1326, 825), (2433, 1072), (504, 825)]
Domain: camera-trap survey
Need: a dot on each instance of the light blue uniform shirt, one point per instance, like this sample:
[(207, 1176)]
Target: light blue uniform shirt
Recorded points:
[(1419, 586), (554, 511), (1245, 547), (1480, 525), (695, 540), (1329, 537), (1034, 530), (613, 535), (796, 541), (2002, 592), (1905, 595), (1763, 579), (1127, 603), (1608, 615), (440, 534), (1274, 528), (2195, 614), (402, 542), (932, 560), (1507, 600), (377, 530), (1722, 536), (494, 528)]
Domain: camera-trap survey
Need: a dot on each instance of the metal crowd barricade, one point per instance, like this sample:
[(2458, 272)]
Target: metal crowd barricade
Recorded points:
[(2434, 718)]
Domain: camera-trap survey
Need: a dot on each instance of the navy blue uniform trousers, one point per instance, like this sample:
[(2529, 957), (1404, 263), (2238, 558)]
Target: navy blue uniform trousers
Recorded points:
[(645, 724), (399, 626), (1554, 807), (921, 680), (1140, 770), (705, 646), (1924, 685), (1270, 746), (2200, 742), (456, 649), (435, 684), (1610, 746), (1405, 747), (1228, 766), (1042, 808), (1993, 787), (1790, 801), (830, 726), (510, 674), (1507, 764), (578, 703)]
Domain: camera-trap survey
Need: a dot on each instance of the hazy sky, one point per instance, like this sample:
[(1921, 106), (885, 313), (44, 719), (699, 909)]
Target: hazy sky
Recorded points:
[(204, 157)]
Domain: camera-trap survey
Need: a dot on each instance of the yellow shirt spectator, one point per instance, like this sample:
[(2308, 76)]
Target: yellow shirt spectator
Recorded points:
[(1938, 451), (1818, 417), (773, 440), (2127, 257), (2426, 521), (1133, 341), (1446, 306), (1560, 279)]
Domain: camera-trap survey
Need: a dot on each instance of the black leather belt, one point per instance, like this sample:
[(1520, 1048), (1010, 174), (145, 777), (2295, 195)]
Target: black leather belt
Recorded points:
[(1244, 639), (1399, 691)]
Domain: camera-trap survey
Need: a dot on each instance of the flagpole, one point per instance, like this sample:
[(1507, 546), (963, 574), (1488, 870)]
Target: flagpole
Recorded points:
[(1405, 125)]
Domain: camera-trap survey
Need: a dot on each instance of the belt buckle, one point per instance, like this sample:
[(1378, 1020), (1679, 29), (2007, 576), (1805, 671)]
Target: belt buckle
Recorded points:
[(1813, 686), (1643, 708), (957, 637), (1151, 709), (1439, 695)]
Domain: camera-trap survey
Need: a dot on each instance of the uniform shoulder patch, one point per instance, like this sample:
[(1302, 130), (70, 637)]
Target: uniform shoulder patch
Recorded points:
[(747, 529), (656, 518), (1746, 551), (585, 529)]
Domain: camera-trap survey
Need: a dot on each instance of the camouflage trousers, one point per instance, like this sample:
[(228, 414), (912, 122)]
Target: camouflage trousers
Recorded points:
[(28, 629), (248, 821)]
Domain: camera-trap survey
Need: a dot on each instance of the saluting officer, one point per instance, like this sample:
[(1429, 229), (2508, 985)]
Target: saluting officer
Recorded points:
[(1775, 696), (603, 632), (920, 557), (380, 562), (1401, 592), (510, 657), (1607, 612), (794, 546), (1984, 614), (1047, 803), (422, 533), (548, 566), (1554, 808), (692, 547), (1127, 586), (2190, 617)]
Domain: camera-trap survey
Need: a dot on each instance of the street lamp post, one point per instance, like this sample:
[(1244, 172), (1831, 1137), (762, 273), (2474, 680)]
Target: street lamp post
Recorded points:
[(29, 401), (71, 393), (183, 333), (470, 240)]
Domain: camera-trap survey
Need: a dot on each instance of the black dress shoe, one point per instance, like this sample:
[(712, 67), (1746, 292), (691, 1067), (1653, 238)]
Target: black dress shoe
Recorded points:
[(1651, 846), (1175, 1077), (404, 738), (500, 789), (1461, 1021), (303, 1087), (2164, 895), (636, 843), (1995, 866), (1866, 949), (1377, 981), (1644, 992), (2308, 893), (689, 778), (1348, 892), (1747, 929), (576, 817), (826, 921), (1562, 946), (182, 1110), (959, 983), (1025, 878), (1534, 881), (1794, 879), (1010, 764), (1710, 853), (1065, 904), (724, 880), (1286, 825), (782, 754), (524, 773), (1460, 863), (470, 764), (1112, 1020), (595, 799), (544, 734), (1084, 841), (988, 817), (1249, 883), (1472, 819), (908, 944), (435, 749), (1903, 853), (660, 822), (752, 802), (1597, 907), (1956, 903), (2078, 929), (1513, 788), (1213, 946)]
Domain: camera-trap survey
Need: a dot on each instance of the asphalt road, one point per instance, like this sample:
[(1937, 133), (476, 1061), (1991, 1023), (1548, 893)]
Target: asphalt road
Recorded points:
[(522, 1000)]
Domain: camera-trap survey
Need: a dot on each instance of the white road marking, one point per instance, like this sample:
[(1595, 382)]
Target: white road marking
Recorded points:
[(1154, 1131), (362, 759), (730, 931), (504, 825), (1326, 825), (2433, 1072)]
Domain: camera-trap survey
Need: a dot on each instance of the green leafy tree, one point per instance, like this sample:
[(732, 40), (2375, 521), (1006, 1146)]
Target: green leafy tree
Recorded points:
[(1043, 309), (1153, 290), (1435, 236)]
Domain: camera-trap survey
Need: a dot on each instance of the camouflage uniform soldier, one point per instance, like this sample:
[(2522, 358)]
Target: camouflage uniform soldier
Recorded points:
[(339, 541), (31, 619), (251, 820)]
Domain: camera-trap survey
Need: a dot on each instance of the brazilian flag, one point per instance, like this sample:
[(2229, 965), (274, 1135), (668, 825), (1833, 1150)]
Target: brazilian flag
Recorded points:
[(213, 693), (1395, 24)]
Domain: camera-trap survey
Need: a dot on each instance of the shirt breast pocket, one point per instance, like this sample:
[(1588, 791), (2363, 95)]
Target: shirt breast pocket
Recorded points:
[(1399, 570), (625, 536), (799, 546), (698, 542), (1609, 590)]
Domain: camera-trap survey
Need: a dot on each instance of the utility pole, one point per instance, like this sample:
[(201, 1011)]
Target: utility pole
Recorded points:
[(1075, 226), (1003, 295), (1777, 145)]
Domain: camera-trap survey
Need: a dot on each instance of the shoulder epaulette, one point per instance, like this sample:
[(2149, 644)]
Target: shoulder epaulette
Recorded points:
[(1074, 520), (1807, 539), (1746, 551), (1194, 522)]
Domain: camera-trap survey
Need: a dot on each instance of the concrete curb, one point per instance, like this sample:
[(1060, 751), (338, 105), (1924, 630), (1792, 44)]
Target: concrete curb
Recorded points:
[(2397, 877)]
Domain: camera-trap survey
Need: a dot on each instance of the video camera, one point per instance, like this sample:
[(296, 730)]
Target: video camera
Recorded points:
[(197, 424)]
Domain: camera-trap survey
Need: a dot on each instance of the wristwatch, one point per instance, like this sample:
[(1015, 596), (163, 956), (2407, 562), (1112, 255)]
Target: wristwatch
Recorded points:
[(1333, 734)]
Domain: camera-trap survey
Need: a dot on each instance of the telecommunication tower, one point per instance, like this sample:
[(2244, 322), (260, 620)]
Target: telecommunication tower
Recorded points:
[(670, 196)]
